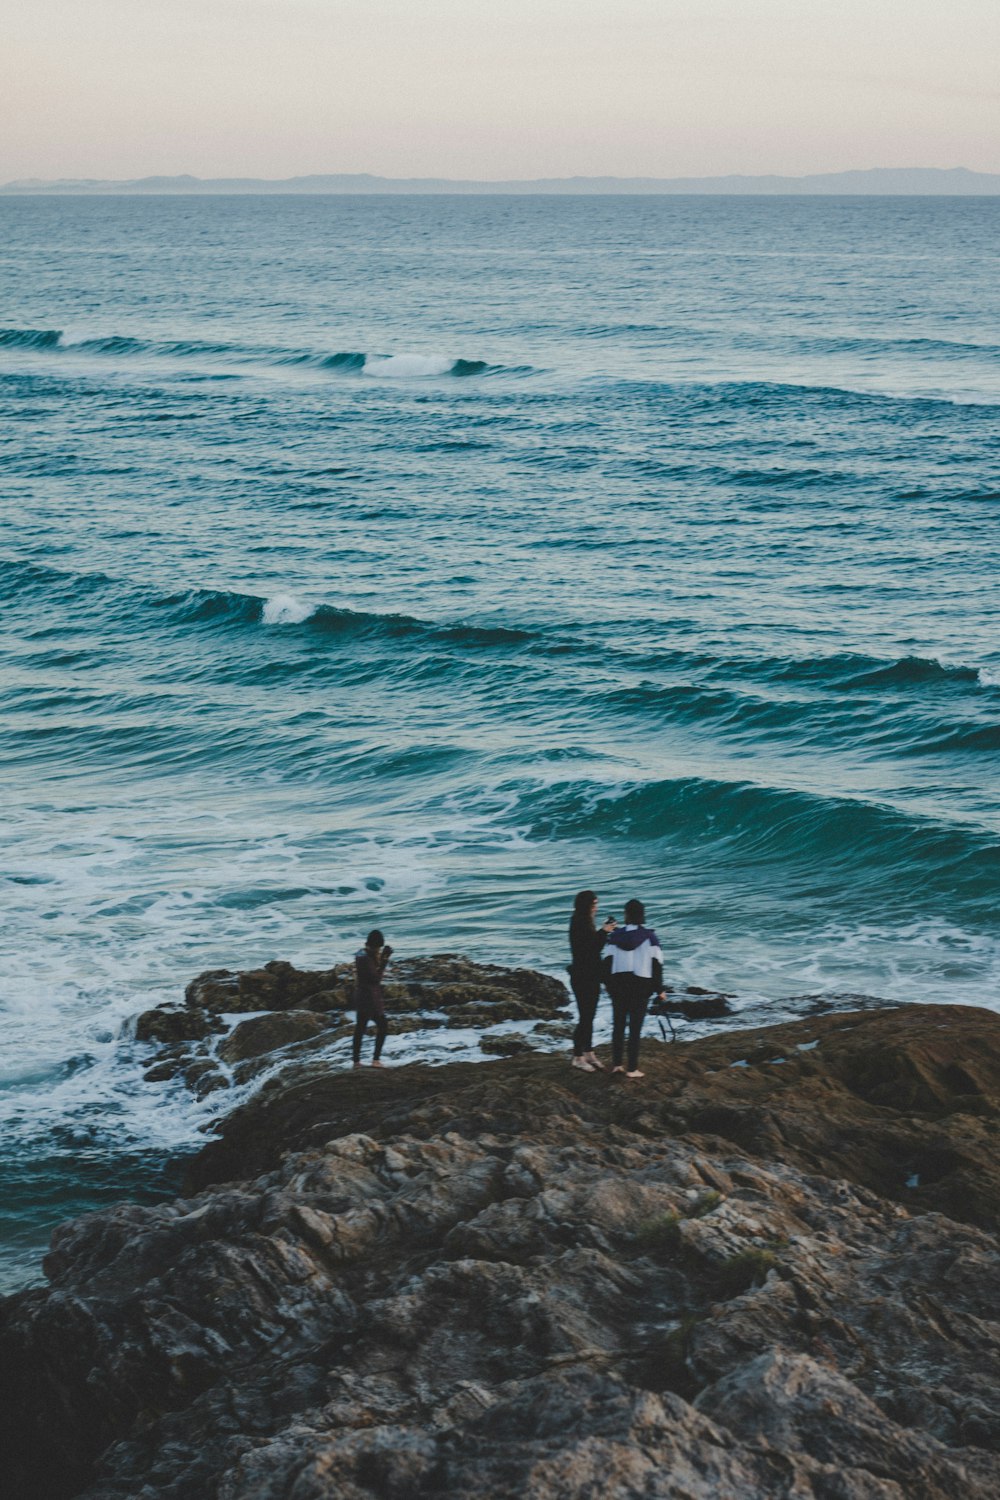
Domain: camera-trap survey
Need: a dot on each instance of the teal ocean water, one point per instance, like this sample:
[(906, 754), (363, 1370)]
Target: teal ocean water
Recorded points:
[(421, 561)]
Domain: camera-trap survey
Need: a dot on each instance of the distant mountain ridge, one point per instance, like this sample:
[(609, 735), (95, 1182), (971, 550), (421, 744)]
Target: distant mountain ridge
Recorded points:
[(875, 181)]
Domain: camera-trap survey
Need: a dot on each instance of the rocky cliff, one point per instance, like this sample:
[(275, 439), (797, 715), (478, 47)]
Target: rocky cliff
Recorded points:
[(768, 1269)]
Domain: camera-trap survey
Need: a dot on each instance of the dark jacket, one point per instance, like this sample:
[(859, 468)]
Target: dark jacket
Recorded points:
[(368, 995), (586, 944)]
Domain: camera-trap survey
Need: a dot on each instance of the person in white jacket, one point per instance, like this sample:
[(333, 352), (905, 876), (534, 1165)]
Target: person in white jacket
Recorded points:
[(636, 974)]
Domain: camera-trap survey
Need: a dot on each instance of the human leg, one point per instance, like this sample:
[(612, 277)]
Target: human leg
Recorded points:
[(381, 1030), (585, 992), (619, 1016), (636, 1016), (360, 1026)]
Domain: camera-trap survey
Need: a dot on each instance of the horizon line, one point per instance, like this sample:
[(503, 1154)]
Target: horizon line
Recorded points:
[(915, 181)]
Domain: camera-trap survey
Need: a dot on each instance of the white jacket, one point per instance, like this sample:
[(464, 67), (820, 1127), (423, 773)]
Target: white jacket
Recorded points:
[(634, 950)]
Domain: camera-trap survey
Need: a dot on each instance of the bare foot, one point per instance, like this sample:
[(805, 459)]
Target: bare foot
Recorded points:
[(595, 1062), (635, 1074), (618, 1068), (583, 1064), (356, 1065), (377, 1064)]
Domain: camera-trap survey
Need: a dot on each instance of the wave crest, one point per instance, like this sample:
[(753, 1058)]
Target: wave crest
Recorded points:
[(285, 609), (404, 366), (29, 338)]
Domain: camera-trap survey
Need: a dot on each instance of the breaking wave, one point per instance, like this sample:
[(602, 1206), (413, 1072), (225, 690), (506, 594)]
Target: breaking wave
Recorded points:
[(402, 366)]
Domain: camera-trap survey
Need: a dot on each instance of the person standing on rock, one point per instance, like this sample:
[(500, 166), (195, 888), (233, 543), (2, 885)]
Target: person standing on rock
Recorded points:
[(369, 998), (586, 942), (636, 975)]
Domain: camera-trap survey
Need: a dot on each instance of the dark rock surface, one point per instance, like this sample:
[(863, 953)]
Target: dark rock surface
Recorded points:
[(770, 1268), (264, 1033), (303, 1010)]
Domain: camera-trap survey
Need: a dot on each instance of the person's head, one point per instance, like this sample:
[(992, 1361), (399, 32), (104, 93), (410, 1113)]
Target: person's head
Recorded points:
[(585, 905), (635, 913), (375, 939)]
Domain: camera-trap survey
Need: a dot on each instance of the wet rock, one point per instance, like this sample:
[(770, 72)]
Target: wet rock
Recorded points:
[(561, 1030), (294, 1055), (694, 1005), (163, 1071), (169, 1024), (203, 1077), (524, 1281), (267, 1033), (340, 998), (444, 990), (453, 980), (506, 1008), (507, 1045), (401, 1025), (441, 982), (276, 986)]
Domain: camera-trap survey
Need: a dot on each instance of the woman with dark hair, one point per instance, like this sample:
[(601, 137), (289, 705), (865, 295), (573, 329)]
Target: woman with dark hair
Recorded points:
[(369, 966), (586, 942)]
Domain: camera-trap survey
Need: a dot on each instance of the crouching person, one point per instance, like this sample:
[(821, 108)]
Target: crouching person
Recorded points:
[(636, 975)]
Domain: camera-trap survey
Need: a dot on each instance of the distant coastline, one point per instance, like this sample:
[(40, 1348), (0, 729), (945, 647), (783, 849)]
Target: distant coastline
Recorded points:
[(874, 182)]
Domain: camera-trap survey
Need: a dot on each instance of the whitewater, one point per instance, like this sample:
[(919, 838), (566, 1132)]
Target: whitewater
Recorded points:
[(421, 561)]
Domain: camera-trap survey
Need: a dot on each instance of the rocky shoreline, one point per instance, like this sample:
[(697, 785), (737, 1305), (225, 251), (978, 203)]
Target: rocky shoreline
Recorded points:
[(771, 1268), (298, 1014)]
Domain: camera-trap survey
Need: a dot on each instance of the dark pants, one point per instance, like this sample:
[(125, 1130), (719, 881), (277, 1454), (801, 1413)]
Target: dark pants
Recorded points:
[(381, 1029), (629, 999), (586, 990)]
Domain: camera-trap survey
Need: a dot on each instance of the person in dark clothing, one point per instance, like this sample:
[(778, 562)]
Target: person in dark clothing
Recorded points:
[(636, 974), (369, 967), (586, 943)]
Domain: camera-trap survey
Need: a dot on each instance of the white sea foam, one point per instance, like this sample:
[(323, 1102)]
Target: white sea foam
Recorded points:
[(285, 609), (408, 366), (986, 676)]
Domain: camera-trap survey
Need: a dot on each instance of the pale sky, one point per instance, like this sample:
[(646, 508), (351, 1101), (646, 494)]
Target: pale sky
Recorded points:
[(495, 88)]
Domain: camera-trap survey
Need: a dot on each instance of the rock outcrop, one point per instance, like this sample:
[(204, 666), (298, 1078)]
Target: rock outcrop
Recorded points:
[(287, 1006), (769, 1269)]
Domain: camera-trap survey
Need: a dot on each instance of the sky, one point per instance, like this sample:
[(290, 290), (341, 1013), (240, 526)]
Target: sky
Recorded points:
[(495, 88)]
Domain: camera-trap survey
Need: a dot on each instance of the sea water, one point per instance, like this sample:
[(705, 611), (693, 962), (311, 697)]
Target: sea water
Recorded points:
[(419, 561)]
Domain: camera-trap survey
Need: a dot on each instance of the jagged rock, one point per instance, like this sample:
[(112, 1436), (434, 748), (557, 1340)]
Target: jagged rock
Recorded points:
[(523, 1282), (444, 990), (507, 1045), (451, 979), (289, 1058), (277, 986), (800, 1404), (400, 1025), (340, 998), (163, 1071), (266, 1033), (508, 1008), (203, 1077), (169, 1024), (442, 982), (562, 1030), (704, 1007)]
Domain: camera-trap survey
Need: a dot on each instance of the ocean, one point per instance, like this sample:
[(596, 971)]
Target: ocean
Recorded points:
[(420, 561)]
